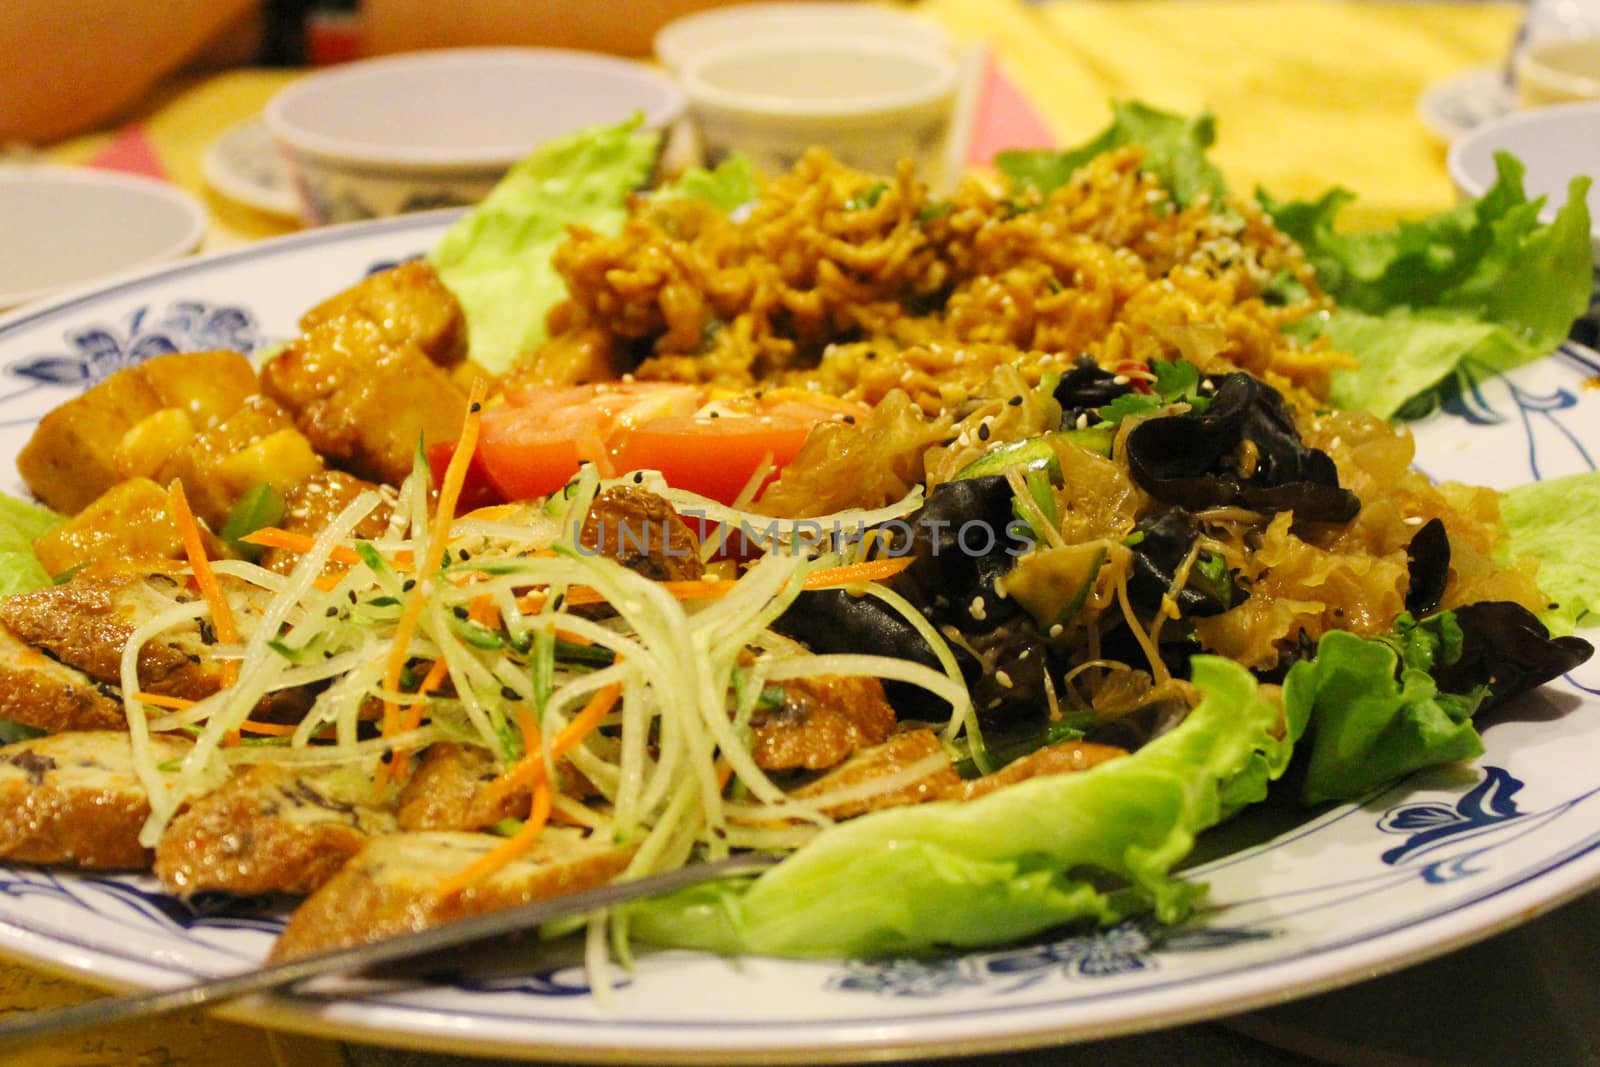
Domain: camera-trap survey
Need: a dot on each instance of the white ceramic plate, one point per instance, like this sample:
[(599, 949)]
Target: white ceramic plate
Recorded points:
[(67, 226), (244, 165), (1299, 901)]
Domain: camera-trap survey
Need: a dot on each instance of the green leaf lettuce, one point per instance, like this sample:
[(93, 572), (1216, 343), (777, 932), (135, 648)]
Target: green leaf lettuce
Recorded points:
[(1097, 845), (1484, 281), (1558, 521), (1366, 711), (21, 524), (1174, 146), (496, 258)]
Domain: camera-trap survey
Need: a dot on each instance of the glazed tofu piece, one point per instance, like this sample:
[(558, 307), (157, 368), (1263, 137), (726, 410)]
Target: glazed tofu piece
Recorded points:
[(408, 304), (40, 692), (363, 402), (74, 799), (315, 502), (132, 520), (257, 444), (76, 453), (899, 754), (391, 886), (270, 829)]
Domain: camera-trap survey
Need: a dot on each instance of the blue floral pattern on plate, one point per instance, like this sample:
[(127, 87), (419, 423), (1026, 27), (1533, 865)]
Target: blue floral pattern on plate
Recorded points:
[(96, 352)]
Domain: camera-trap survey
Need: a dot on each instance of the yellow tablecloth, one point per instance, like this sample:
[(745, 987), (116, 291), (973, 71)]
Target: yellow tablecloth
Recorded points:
[(1307, 93)]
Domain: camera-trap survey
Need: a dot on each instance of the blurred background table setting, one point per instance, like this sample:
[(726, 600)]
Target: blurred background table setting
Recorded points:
[(285, 122)]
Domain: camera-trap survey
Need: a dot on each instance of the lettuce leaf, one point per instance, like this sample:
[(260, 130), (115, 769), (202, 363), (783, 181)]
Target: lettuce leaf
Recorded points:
[(1365, 711), (1558, 521), (496, 258), (1099, 845), (1484, 281), (21, 524), (1175, 151), (728, 186)]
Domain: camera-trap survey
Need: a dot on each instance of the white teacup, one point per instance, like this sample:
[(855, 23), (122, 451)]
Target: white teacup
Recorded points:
[(1558, 70)]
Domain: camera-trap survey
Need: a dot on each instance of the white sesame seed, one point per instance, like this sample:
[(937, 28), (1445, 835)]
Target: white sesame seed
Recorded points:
[(1055, 631), (1003, 678), (976, 609), (1121, 379), (1083, 421), (1413, 520)]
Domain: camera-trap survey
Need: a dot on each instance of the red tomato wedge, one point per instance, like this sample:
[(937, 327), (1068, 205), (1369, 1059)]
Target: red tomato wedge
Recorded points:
[(530, 445)]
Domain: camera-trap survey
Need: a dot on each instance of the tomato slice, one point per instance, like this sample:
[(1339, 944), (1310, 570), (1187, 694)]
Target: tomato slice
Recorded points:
[(534, 442), (476, 490)]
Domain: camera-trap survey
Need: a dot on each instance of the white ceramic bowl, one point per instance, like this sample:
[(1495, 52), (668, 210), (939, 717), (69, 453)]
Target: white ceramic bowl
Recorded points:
[(434, 129), (1554, 143), (68, 226), (871, 102), (709, 31)]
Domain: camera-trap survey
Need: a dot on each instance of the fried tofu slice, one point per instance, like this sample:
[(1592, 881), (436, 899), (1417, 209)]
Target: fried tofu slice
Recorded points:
[(85, 623), (270, 829), (408, 303), (893, 759), (314, 503), (37, 691), (448, 792), (819, 722), (362, 400), (391, 887), (75, 453), (1067, 757), (74, 799)]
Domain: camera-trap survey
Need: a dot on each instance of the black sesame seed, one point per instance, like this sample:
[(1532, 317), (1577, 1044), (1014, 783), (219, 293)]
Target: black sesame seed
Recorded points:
[(352, 596), (638, 477), (476, 407), (1015, 401), (465, 555), (388, 756), (510, 693), (331, 612), (410, 584), (459, 612), (983, 431), (850, 420)]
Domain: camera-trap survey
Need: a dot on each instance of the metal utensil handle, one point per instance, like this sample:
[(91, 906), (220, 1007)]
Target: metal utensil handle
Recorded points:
[(33, 1027)]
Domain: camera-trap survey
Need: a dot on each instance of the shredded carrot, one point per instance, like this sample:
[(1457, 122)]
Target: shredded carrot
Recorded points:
[(877, 570), (274, 537), (455, 475), (161, 700), (507, 851), (206, 579)]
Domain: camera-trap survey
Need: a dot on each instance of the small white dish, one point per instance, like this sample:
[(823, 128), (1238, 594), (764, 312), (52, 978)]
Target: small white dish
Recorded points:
[(871, 102), (1558, 71), (65, 227), (1453, 107), (244, 165), (1555, 144), (708, 31), (437, 129)]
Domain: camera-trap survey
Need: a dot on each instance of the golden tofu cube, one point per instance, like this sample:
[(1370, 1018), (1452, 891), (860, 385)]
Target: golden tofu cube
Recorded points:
[(256, 444), (408, 304), (152, 441), (207, 386), (71, 457), (131, 520)]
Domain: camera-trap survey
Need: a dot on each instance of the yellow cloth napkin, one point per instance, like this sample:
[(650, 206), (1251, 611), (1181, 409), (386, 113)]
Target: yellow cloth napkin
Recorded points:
[(1307, 93)]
